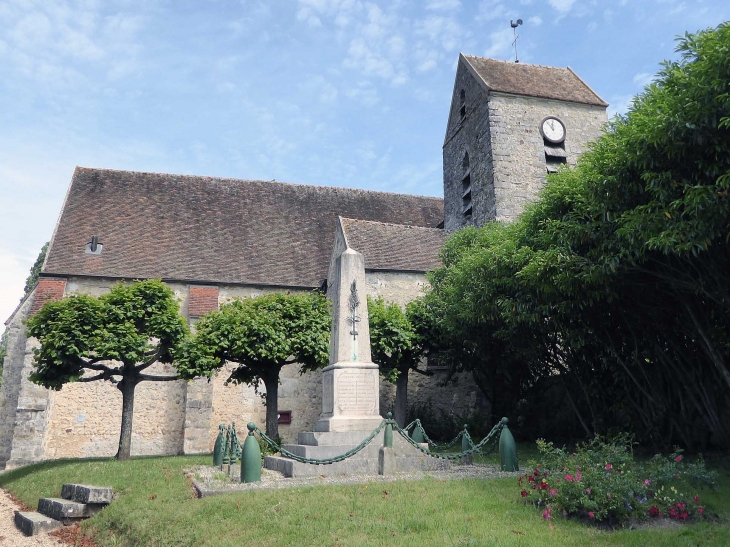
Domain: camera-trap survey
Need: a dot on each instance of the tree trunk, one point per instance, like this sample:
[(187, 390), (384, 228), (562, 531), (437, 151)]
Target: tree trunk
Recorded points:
[(126, 386), (272, 405), (401, 398)]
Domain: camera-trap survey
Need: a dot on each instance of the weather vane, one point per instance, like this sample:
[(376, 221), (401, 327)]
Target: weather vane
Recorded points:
[(514, 26)]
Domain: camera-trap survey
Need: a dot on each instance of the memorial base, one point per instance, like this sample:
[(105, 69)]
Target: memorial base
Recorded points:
[(350, 398)]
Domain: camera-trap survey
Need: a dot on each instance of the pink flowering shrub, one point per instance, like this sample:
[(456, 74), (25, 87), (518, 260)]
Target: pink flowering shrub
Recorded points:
[(601, 481)]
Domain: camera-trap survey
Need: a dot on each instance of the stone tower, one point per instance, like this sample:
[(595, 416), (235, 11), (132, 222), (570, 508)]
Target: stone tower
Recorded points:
[(509, 125)]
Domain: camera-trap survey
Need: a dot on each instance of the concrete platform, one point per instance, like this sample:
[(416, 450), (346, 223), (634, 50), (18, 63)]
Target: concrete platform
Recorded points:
[(323, 445), (32, 523)]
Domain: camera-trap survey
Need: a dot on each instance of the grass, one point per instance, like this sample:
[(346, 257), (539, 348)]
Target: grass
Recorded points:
[(156, 507)]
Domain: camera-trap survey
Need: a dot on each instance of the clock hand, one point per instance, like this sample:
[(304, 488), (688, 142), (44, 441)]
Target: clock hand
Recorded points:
[(550, 123)]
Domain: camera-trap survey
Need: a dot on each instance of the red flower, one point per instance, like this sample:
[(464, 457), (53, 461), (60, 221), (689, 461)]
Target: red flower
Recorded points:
[(591, 515), (684, 515), (569, 477), (524, 493), (700, 510), (578, 476), (547, 514), (673, 513), (536, 472), (588, 491), (609, 467), (530, 479), (678, 459), (697, 499), (654, 511), (553, 492), (647, 482), (544, 486), (534, 487)]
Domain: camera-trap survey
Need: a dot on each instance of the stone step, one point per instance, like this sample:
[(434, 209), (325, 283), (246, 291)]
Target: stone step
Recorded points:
[(66, 510), (84, 493), (337, 438), (322, 452), (32, 523)]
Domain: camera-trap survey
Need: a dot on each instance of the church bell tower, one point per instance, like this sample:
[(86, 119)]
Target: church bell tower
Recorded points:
[(511, 124)]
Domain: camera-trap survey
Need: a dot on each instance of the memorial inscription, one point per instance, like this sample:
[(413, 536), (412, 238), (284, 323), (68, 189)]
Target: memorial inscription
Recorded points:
[(356, 391)]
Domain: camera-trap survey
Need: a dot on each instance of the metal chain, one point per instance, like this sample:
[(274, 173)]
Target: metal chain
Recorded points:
[(324, 461), (232, 446), (455, 456), (436, 445)]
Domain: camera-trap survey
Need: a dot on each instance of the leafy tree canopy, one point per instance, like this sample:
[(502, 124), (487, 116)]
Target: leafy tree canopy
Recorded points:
[(614, 282), (261, 335), (116, 336)]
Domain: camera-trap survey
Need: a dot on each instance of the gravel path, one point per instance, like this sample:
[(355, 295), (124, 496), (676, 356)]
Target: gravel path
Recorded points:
[(11, 536), (209, 480)]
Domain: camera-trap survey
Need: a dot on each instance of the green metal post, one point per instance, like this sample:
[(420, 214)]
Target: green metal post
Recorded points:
[(388, 435), (507, 449), (251, 457), (466, 445), (417, 434), (218, 447)]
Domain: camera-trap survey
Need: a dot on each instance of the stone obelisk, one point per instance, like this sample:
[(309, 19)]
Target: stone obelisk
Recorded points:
[(350, 384)]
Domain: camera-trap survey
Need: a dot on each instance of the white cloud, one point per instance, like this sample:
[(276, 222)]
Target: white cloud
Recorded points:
[(643, 78), (563, 6), (535, 21), (443, 5), (501, 44), (619, 105), (442, 30), (364, 92)]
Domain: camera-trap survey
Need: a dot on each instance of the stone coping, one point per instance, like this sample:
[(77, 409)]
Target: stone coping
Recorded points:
[(209, 480)]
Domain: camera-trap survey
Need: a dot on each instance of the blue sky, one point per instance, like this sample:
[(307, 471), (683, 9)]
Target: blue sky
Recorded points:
[(330, 92)]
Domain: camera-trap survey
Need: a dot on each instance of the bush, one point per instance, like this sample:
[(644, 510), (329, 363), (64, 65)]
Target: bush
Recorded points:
[(602, 482)]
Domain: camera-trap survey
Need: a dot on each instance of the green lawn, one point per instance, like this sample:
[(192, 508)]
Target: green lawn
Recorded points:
[(156, 507)]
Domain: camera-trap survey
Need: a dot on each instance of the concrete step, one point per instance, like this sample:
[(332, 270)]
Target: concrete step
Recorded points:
[(66, 510), (337, 438), (351, 466), (322, 452), (32, 523), (84, 493)]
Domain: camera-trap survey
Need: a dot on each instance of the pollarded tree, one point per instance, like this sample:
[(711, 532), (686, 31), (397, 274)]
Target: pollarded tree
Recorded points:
[(397, 346), (115, 337), (261, 335)]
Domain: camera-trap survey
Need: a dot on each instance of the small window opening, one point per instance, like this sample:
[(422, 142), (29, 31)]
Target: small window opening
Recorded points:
[(94, 247), (462, 103)]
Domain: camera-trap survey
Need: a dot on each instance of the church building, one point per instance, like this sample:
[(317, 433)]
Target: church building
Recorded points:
[(212, 240)]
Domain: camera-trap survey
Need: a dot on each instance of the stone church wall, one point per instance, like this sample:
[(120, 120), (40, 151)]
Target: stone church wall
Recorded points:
[(518, 148), (83, 420), (468, 135)]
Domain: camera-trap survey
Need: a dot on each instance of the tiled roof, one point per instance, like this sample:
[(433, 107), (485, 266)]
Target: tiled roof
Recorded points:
[(534, 80), (394, 246), (204, 229)]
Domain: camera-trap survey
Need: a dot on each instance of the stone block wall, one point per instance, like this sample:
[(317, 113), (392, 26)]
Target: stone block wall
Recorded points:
[(467, 135), (83, 420), (518, 150)]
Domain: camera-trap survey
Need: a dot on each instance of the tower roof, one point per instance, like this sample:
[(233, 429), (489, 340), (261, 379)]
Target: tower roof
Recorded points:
[(547, 82)]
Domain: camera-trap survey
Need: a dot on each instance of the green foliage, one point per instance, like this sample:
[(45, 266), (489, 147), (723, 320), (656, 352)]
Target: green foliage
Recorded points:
[(614, 282), (260, 334), (154, 505), (35, 271), (134, 324), (395, 344), (601, 481)]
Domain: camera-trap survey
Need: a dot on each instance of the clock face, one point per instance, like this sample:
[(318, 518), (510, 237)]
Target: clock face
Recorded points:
[(553, 130)]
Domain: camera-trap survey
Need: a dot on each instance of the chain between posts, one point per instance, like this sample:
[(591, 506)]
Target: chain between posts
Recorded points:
[(458, 455), (436, 445), (404, 433), (324, 461)]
